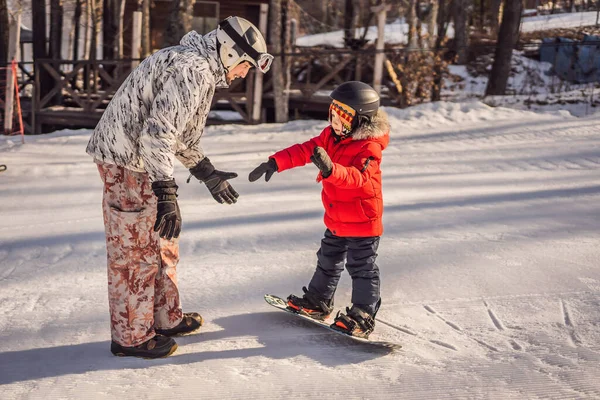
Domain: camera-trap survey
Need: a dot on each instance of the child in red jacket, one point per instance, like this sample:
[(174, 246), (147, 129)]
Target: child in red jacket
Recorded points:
[(348, 155)]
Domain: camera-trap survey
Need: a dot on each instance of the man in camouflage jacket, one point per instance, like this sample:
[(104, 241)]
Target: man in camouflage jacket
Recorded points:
[(158, 115)]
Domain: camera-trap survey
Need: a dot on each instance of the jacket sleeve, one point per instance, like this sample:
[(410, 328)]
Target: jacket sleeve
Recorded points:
[(356, 176), (173, 106), (298, 154), (191, 152)]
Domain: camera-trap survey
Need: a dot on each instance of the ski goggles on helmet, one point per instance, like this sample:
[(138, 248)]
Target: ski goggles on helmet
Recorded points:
[(262, 61)]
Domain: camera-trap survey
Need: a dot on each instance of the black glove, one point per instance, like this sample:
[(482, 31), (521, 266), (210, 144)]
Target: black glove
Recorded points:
[(321, 159), (268, 168), (216, 181), (168, 216)]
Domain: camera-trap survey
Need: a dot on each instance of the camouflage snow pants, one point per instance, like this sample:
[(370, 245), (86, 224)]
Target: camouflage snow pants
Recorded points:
[(142, 274)]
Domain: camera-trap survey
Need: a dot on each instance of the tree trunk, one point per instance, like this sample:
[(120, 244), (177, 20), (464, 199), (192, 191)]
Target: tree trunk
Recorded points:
[(119, 15), (109, 30), (494, 16), (179, 22), (87, 28), (507, 38), (461, 35), (146, 40), (436, 90), (275, 36), (96, 18), (38, 23), (76, 26), (4, 30), (112, 29), (411, 20), (419, 30), (56, 25), (324, 12), (432, 23), (348, 22)]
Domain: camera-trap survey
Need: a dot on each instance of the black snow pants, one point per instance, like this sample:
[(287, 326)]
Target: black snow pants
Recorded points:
[(358, 254)]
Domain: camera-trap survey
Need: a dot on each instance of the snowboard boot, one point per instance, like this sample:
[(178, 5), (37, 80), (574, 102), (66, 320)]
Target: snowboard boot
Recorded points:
[(311, 305), (157, 347), (190, 323), (356, 321)]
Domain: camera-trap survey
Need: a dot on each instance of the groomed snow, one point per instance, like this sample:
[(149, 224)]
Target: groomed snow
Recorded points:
[(489, 264)]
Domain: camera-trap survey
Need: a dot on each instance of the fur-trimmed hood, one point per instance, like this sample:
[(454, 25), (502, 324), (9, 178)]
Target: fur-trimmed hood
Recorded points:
[(378, 127)]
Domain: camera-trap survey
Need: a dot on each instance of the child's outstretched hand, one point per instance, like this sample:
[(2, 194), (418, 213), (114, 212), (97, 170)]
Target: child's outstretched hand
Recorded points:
[(321, 159), (267, 168)]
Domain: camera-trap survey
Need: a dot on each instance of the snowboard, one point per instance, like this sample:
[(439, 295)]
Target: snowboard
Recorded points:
[(281, 304)]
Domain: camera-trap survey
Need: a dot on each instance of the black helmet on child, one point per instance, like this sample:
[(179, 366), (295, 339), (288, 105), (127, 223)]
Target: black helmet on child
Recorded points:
[(358, 95)]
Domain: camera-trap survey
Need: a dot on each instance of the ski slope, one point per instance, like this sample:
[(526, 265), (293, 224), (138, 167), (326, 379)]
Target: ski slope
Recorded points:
[(490, 268)]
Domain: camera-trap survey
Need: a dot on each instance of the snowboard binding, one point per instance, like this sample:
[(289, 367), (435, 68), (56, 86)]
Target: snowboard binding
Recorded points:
[(311, 305), (356, 321)]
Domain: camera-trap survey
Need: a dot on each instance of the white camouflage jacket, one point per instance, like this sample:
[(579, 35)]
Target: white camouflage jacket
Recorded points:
[(159, 112)]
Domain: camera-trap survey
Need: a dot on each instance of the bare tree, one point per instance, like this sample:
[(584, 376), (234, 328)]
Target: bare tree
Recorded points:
[(507, 38), (349, 21), (76, 28), (96, 19), (38, 22), (56, 25), (461, 33), (145, 8), (442, 24), (3, 34), (432, 23), (411, 20), (109, 30), (87, 29), (179, 21), (275, 28), (494, 16)]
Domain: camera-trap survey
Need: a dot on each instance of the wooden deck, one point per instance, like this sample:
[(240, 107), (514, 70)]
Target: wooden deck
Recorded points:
[(81, 90)]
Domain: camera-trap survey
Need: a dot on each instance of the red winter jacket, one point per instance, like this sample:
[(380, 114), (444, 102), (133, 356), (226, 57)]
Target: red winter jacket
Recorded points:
[(352, 193)]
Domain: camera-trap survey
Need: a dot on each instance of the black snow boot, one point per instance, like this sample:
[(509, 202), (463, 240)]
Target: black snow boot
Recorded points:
[(190, 323), (310, 304), (157, 347), (356, 321)]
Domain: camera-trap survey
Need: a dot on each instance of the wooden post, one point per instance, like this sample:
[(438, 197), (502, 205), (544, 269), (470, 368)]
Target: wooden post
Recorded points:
[(13, 50), (136, 41), (258, 79), (381, 11)]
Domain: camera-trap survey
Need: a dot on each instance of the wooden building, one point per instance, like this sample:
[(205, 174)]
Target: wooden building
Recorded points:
[(206, 16)]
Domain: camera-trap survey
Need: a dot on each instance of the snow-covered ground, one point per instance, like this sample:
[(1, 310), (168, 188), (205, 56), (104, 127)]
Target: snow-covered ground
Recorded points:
[(531, 86), (489, 268), (397, 32)]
